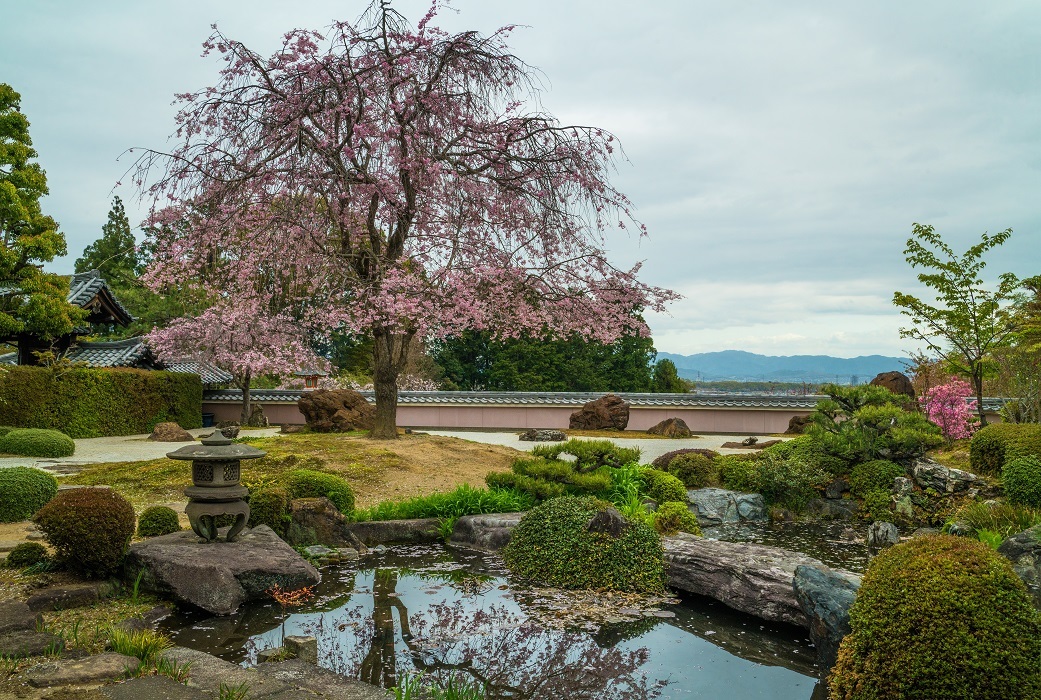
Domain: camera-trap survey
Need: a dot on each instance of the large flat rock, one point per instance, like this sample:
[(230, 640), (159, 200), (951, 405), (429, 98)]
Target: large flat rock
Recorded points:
[(322, 682), (752, 578), (207, 672), (218, 576), (16, 615), (374, 532), (153, 688), (489, 532), (91, 669)]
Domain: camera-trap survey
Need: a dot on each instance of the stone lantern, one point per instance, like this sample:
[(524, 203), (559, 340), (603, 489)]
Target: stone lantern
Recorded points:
[(215, 489)]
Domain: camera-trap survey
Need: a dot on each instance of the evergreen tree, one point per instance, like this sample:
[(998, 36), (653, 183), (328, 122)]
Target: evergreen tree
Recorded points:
[(666, 379), (31, 301), (115, 253)]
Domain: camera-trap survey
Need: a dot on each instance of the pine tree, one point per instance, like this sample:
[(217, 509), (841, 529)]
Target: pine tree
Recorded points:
[(115, 253)]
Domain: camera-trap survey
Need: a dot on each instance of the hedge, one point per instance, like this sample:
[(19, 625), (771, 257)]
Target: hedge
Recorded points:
[(86, 403), (992, 445)]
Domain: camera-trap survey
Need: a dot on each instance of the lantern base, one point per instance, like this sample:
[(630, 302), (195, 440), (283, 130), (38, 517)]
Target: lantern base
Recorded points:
[(203, 517)]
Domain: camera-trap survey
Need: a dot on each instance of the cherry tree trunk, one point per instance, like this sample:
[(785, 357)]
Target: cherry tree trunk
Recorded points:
[(389, 352), (247, 406)]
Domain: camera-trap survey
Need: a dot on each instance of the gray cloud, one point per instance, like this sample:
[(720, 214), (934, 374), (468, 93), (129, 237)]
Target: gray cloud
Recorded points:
[(778, 152)]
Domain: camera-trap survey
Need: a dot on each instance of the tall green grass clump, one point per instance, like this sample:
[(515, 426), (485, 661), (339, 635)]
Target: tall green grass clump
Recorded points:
[(464, 500)]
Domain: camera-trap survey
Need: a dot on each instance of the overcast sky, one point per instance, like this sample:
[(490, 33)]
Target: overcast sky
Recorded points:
[(778, 152)]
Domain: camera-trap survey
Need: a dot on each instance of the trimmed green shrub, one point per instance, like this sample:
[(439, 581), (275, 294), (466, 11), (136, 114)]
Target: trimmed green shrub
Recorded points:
[(876, 474), (940, 617), (662, 487), (694, 470), (271, 507), (26, 554), (89, 529), (666, 459), (993, 444), (23, 491), (674, 516), (5, 429), (1022, 479), (548, 478), (464, 500), (156, 521), (790, 483), (305, 483), (809, 451), (553, 545), (878, 502), (96, 402), (590, 454), (37, 442)]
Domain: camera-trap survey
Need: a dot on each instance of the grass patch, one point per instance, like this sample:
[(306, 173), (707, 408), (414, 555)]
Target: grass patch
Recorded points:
[(954, 456), (90, 628)]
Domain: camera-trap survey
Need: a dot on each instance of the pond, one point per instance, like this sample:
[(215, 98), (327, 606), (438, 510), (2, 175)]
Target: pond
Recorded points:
[(445, 610)]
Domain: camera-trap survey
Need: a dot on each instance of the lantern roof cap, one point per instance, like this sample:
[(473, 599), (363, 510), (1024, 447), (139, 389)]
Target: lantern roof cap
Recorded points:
[(216, 448)]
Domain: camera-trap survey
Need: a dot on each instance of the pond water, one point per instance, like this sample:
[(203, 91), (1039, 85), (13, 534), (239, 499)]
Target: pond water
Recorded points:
[(832, 542), (454, 611)]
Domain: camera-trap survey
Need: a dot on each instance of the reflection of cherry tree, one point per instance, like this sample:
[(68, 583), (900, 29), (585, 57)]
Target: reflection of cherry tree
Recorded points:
[(512, 658)]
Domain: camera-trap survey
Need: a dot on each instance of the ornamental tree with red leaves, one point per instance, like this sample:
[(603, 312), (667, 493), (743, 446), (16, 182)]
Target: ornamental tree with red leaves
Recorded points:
[(402, 182), (946, 406)]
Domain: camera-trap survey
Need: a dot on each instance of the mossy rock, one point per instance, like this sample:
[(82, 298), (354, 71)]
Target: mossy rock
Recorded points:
[(556, 545), (940, 617)]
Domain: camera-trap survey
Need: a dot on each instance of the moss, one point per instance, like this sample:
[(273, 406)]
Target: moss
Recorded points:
[(156, 521), (940, 617), (662, 486), (673, 517), (26, 554), (37, 442), (23, 491), (553, 546), (89, 529), (878, 474), (1022, 479)]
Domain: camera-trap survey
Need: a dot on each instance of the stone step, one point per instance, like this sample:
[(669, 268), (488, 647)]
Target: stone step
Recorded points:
[(321, 682), (154, 688), (207, 672), (91, 669)]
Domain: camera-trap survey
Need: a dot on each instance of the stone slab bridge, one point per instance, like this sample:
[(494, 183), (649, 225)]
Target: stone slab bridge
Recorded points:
[(519, 410)]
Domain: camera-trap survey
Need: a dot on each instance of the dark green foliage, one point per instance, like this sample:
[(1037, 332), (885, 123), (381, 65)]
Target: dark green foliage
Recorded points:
[(89, 529), (1022, 479), (694, 470), (993, 444), (5, 429), (666, 380), (552, 545), (98, 402), (674, 516), (862, 423), (790, 483), (662, 487), (464, 500), (876, 474), (539, 489), (156, 521), (23, 491), (664, 461), (998, 516), (877, 503), (474, 361), (590, 454), (940, 617), (305, 483), (812, 452), (270, 506), (37, 442), (115, 254), (26, 554)]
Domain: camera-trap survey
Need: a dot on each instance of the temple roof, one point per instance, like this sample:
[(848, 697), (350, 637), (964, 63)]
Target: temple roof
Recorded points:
[(88, 290)]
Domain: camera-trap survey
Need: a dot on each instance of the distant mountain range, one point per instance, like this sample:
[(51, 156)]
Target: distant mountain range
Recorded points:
[(738, 365)]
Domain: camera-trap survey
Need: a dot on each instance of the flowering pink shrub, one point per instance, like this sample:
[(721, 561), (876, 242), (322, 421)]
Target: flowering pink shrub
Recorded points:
[(946, 406)]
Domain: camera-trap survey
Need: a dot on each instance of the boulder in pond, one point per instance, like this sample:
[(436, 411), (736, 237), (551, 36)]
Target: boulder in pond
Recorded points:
[(609, 412), (336, 410), (825, 597), (485, 532), (719, 506), (218, 576), (670, 428), (882, 534)]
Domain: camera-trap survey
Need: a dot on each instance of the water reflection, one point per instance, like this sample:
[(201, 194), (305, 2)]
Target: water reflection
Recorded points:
[(836, 543), (454, 613)]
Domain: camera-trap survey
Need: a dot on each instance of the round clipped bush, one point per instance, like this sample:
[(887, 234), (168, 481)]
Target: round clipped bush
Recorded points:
[(89, 529), (156, 521), (663, 461), (561, 543), (1022, 478), (271, 507), (940, 617), (662, 486), (995, 444), (878, 474), (673, 517), (37, 442), (305, 483), (695, 470), (26, 554), (23, 491)]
